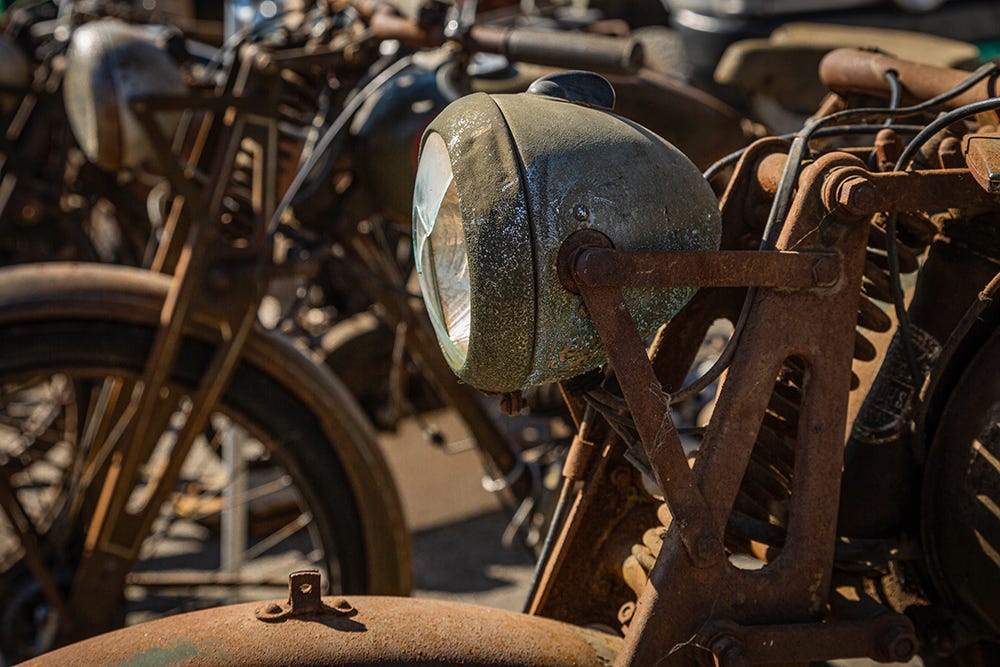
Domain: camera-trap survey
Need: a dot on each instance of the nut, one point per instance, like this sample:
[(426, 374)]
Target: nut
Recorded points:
[(856, 195)]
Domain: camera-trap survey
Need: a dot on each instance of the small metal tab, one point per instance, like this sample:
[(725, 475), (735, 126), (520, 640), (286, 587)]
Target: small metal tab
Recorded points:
[(982, 154), (304, 588)]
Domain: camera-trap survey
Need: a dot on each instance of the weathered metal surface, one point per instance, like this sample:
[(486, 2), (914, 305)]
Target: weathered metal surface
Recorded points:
[(650, 409), (887, 638), (525, 328), (304, 598), (380, 631), (860, 193), (543, 47), (108, 63), (819, 329), (732, 268), (847, 71), (982, 154)]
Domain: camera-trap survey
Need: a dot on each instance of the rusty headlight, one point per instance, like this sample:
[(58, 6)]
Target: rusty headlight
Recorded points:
[(502, 181)]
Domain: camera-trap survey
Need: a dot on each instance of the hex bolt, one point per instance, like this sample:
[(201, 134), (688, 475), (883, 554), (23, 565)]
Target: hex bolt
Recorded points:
[(826, 271), (950, 153), (856, 195), (888, 147)]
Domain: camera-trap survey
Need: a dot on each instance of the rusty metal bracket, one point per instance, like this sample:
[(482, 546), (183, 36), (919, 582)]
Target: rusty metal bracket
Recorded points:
[(304, 597), (650, 408), (598, 267), (853, 191), (982, 154), (889, 637)]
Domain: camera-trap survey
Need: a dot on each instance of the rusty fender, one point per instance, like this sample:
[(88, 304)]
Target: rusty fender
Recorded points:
[(117, 293), (354, 631)]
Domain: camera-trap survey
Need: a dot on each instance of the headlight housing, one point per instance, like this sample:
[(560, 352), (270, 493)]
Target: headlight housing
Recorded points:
[(108, 64), (502, 181)]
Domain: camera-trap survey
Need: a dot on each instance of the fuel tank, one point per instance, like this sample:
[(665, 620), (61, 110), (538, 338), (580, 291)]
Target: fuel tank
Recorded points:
[(352, 631)]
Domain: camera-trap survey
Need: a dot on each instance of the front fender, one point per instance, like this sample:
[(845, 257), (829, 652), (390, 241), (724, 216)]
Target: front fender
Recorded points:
[(118, 293), (378, 631)]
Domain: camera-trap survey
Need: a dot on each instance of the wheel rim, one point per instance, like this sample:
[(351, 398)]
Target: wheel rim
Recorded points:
[(234, 490)]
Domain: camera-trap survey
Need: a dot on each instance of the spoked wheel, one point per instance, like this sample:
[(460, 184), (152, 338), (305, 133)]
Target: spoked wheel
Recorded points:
[(260, 494)]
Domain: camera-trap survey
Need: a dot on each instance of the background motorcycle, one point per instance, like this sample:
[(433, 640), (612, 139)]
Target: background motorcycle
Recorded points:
[(771, 549), (249, 428)]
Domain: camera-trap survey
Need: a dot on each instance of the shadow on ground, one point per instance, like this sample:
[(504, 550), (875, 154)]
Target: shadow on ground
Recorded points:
[(465, 560)]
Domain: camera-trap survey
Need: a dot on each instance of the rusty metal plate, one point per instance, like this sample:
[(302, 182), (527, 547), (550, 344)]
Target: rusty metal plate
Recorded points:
[(379, 631)]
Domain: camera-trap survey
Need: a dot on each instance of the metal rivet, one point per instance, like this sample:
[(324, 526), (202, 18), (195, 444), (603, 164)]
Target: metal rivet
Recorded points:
[(273, 608), (581, 213)]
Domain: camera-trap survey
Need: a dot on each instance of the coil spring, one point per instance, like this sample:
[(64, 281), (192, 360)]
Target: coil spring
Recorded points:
[(760, 512), (296, 111)]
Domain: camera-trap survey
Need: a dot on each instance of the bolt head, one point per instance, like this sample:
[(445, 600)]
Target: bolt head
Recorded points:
[(900, 644), (857, 195)]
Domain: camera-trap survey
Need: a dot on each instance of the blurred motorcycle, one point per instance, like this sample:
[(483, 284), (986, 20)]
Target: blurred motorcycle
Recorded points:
[(841, 499), (169, 438)]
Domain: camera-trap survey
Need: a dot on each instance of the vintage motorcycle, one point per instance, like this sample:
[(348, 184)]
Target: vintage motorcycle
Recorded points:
[(163, 448), (552, 235)]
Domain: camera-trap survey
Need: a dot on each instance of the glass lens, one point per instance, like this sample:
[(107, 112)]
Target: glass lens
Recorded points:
[(440, 250)]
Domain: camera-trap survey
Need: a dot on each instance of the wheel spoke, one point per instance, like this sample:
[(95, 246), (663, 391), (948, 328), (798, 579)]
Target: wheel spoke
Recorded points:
[(279, 536), (234, 514), (21, 524)]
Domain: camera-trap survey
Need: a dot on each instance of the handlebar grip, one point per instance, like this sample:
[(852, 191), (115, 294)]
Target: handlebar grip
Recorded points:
[(570, 50), (846, 71)]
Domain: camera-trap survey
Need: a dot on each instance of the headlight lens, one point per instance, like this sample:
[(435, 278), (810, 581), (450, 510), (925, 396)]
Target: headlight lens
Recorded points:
[(441, 254)]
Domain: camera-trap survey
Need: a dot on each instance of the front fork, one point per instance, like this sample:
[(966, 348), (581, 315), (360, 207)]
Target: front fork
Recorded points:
[(214, 273)]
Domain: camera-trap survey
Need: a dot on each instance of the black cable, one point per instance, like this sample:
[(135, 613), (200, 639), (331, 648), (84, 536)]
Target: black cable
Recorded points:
[(895, 92), (339, 125), (892, 252), (789, 178), (839, 130)]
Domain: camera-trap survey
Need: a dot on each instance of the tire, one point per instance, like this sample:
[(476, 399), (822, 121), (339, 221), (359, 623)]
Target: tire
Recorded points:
[(960, 526), (63, 362)]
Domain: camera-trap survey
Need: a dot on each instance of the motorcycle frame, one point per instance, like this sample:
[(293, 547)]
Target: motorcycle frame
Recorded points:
[(804, 306), (696, 606)]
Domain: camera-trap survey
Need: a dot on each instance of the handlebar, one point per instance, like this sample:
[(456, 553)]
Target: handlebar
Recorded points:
[(846, 71), (570, 50)]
